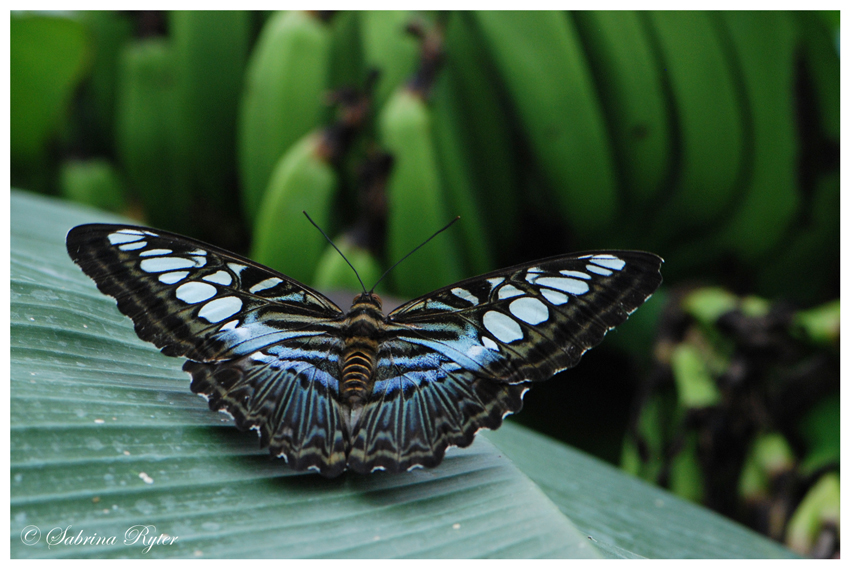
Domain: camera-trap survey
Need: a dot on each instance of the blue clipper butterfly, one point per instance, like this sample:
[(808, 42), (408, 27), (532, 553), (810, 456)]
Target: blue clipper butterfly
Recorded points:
[(329, 390)]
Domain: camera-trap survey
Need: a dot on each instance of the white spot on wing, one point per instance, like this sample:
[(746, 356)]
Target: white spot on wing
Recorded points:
[(529, 310), (495, 281), (124, 237), (608, 261), (236, 267), (576, 274), (465, 295), (133, 246), (266, 284), (200, 252), (172, 278), (162, 264), (155, 252), (229, 326), (219, 277), (508, 291), (193, 293), (502, 326), (217, 310), (599, 270), (553, 296), (488, 343), (570, 286)]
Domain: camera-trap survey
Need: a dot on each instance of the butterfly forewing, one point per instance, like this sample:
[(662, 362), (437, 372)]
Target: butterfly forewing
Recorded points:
[(528, 322), (269, 350), (189, 298)]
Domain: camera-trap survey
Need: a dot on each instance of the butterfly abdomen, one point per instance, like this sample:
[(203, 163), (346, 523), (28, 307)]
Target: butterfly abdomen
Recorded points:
[(361, 344), (357, 367)]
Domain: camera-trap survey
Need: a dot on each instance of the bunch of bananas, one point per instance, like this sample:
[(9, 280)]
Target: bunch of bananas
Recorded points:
[(706, 137), (673, 131)]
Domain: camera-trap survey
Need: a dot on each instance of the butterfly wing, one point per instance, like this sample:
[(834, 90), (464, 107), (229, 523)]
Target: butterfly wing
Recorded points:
[(261, 346), (459, 359)]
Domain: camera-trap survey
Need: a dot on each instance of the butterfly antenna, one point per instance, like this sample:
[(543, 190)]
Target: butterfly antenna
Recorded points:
[(340, 252), (449, 224)]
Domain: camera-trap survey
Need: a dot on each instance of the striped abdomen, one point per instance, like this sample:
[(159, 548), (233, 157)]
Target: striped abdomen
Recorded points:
[(358, 361), (361, 345)]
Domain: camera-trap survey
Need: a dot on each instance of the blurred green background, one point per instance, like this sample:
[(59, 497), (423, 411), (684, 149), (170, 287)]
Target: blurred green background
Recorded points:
[(711, 139)]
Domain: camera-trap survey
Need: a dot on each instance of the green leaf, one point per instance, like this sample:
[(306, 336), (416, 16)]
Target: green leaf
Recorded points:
[(106, 437), (623, 515)]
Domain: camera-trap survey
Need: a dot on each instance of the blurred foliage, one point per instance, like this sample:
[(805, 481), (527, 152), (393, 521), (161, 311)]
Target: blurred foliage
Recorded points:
[(709, 138), (743, 394)]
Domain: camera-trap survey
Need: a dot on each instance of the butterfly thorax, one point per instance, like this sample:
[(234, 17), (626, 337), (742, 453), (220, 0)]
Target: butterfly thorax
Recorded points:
[(361, 334)]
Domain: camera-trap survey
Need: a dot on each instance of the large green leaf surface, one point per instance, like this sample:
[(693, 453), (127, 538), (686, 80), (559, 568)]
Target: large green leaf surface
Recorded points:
[(106, 437)]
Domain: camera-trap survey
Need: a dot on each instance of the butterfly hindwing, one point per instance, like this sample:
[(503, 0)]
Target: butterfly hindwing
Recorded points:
[(262, 347), (459, 359), (296, 413), (422, 403)]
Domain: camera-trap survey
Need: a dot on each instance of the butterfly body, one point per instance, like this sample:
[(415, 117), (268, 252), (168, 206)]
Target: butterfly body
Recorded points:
[(329, 390)]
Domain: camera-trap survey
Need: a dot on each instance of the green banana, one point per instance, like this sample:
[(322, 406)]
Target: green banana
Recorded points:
[(333, 273), (484, 133), (93, 182), (766, 45), (47, 61), (210, 52), (709, 119), (632, 94), (820, 53), (804, 264), (456, 171), (416, 204), (302, 180), (542, 64), (109, 32), (346, 66), (389, 48), (283, 99), (149, 136)]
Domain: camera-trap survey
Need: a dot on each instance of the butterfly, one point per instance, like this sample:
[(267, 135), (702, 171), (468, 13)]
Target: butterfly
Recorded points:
[(329, 390)]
